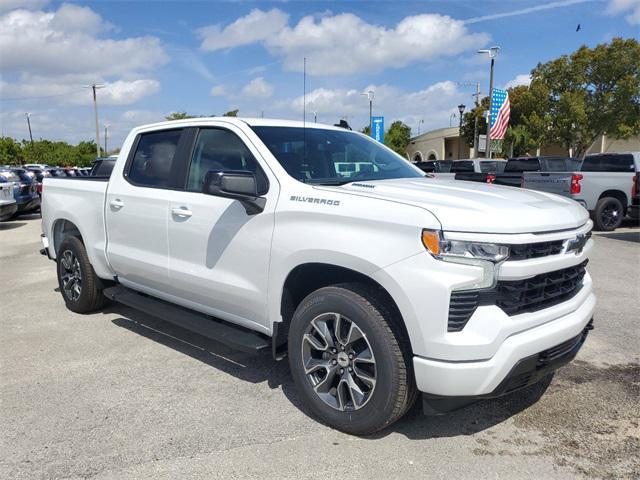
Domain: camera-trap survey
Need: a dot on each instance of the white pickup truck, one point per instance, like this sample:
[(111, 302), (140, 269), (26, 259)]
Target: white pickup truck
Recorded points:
[(605, 185), (378, 283)]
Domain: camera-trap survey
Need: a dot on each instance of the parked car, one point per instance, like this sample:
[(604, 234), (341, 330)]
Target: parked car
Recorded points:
[(8, 204), (26, 191), (604, 186), (478, 169), (41, 166), (376, 286), (40, 174), (515, 167), (103, 166)]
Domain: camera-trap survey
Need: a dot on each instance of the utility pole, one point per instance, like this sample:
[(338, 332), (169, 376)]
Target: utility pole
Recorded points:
[(420, 123), (93, 87), (369, 95), (27, 114), (492, 52), (106, 130), (315, 117)]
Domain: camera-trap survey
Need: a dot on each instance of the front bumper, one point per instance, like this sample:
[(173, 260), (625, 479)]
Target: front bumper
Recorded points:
[(477, 378), (524, 373)]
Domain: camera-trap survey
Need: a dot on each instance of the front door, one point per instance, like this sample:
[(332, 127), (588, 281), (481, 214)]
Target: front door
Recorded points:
[(218, 253)]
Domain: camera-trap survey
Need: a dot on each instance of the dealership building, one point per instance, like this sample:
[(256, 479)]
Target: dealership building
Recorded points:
[(442, 144)]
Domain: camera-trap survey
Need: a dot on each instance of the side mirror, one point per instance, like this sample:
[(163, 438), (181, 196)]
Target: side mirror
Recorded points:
[(237, 184)]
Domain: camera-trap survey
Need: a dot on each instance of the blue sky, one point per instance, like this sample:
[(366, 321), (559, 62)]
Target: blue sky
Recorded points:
[(208, 57)]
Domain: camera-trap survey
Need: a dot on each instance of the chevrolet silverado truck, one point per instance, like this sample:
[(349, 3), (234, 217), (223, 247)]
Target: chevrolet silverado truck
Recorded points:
[(518, 166), (377, 283), (605, 184)]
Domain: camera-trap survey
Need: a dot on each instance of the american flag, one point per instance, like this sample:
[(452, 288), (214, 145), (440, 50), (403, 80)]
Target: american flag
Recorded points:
[(500, 111)]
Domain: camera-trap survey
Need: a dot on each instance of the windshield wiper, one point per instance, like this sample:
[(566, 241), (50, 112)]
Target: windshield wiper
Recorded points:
[(334, 182)]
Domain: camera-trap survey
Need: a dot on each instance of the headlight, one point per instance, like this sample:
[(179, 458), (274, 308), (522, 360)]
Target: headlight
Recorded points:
[(488, 256)]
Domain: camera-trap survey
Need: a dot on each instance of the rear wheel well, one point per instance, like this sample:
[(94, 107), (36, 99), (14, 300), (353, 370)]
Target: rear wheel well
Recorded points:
[(616, 194), (62, 229), (309, 277)]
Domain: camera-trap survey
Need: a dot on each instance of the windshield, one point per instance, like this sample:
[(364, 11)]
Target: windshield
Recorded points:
[(333, 157)]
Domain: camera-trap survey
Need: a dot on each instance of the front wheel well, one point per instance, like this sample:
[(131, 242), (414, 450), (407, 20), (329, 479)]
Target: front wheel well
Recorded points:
[(309, 277)]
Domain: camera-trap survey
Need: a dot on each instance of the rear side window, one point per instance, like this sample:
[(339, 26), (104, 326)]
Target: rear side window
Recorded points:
[(221, 150), (488, 166), (557, 164), (608, 163), (519, 165), (464, 166), (154, 157), (443, 166)]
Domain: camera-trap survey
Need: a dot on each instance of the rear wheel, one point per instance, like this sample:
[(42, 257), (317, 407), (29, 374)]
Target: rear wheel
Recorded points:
[(79, 285), (608, 214), (349, 361)]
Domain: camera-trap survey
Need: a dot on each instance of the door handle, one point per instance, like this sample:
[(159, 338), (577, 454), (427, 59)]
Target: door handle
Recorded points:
[(116, 203), (181, 212)]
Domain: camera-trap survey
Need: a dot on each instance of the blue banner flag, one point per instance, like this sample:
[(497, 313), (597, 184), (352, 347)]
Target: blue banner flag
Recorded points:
[(378, 128)]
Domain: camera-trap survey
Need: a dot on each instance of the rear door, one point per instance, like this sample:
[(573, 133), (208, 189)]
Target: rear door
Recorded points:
[(218, 253), (137, 206)]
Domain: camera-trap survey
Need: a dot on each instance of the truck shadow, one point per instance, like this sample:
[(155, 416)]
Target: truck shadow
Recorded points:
[(10, 225), (258, 368)]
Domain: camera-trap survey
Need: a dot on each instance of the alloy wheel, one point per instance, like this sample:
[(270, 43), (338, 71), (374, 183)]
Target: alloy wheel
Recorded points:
[(339, 362), (71, 275), (610, 215)]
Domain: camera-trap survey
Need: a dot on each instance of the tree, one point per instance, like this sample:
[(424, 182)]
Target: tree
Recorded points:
[(178, 116), (592, 92), (231, 113), (10, 151), (366, 130), (397, 137)]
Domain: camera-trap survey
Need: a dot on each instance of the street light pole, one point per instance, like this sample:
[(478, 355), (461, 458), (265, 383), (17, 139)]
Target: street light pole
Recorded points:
[(369, 95), (93, 87), (419, 124), (106, 130), (461, 108), (27, 114), (492, 52)]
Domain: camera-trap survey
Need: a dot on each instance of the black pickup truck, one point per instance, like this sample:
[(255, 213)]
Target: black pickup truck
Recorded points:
[(515, 167)]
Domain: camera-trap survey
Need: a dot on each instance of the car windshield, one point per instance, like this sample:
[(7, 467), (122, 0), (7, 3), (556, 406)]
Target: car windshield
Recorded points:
[(333, 157)]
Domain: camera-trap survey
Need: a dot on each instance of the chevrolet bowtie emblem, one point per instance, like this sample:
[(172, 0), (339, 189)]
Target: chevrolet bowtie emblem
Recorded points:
[(576, 244)]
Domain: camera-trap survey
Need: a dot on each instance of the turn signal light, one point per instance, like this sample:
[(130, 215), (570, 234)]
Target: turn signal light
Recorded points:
[(431, 241), (575, 183)]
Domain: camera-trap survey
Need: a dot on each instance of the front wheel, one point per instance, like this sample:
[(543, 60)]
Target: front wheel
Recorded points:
[(79, 285), (349, 360)]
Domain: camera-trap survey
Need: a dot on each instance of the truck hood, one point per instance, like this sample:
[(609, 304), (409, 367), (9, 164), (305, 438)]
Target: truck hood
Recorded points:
[(478, 207)]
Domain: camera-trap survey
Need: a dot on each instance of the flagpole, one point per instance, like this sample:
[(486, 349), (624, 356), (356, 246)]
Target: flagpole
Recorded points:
[(488, 148)]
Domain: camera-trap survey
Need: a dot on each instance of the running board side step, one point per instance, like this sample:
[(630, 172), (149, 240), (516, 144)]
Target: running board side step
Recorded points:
[(233, 336)]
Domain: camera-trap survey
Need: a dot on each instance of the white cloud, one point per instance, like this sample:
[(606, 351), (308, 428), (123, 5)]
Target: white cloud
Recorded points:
[(258, 88), (69, 89), (345, 44), (623, 6), (67, 41), (522, 79), (218, 91), (258, 25), (433, 104), (7, 5)]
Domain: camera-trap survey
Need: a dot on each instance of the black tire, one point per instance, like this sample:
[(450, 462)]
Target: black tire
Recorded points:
[(394, 391), (608, 214), (90, 295)]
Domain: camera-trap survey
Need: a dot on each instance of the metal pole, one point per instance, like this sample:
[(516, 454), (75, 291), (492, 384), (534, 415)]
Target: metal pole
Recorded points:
[(315, 117), (29, 125), (460, 138), (95, 108), (475, 124), (106, 129), (370, 114), (488, 149)]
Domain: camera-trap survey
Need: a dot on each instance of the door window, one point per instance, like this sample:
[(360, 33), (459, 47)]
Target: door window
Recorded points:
[(464, 166), (608, 163), (154, 158), (221, 150)]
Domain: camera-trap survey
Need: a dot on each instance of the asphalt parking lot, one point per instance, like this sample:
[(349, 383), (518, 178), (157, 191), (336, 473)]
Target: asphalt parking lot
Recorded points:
[(119, 394)]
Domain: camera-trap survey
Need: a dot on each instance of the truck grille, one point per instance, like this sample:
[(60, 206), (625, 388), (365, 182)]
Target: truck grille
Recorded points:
[(537, 250), (516, 297)]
